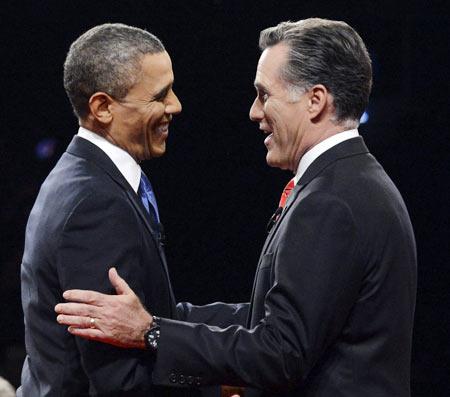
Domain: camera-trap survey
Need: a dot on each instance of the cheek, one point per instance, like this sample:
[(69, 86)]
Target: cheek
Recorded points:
[(270, 111), (280, 127), (155, 115), (274, 115)]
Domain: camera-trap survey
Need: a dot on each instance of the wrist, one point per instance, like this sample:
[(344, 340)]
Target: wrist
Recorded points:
[(144, 326)]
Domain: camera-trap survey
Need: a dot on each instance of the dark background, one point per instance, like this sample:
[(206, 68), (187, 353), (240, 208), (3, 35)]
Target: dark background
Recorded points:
[(214, 189)]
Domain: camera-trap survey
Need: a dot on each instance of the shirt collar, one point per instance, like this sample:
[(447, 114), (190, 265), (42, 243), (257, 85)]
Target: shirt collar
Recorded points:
[(121, 159), (321, 148)]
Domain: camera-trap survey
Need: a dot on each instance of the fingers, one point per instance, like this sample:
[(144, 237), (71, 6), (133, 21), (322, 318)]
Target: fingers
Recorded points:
[(94, 334), (75, 321), (77, 309), (122, 288), (91, 297), (88, 333)]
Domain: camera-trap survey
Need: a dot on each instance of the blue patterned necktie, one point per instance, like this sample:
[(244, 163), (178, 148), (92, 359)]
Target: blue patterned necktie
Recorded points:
[(148, 198)]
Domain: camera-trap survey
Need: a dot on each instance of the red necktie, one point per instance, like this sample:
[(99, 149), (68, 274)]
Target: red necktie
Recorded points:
[(284, 196), (286, 192)]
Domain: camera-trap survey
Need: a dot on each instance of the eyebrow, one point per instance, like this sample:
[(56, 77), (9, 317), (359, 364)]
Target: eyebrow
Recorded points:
[(163, 92), (260, 87)]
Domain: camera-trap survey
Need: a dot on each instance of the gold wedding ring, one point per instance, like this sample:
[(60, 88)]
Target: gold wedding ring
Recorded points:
[(92, 323)]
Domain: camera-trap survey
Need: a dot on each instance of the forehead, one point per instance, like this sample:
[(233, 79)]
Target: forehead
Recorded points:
[(157, 70), (270, 63)]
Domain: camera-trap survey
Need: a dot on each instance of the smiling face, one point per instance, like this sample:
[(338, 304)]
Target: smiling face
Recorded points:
[(140, 120), (284, 120)]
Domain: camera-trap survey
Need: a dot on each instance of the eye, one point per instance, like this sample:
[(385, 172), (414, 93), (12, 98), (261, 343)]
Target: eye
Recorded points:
[(160, 97), (263, 96)]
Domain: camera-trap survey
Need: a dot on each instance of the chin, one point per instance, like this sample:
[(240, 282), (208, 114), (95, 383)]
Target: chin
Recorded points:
[(273, 161), (158, 151)]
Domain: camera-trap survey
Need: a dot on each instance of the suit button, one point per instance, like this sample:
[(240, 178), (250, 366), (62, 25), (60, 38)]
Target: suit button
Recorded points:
[(181, 380), (190, 380), (173, 378), (198, 381)]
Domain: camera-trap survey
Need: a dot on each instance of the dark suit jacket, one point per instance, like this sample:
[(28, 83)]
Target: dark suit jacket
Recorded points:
[(87, 218), (333, 300)]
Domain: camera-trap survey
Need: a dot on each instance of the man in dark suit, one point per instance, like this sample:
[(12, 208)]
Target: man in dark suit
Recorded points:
[(95, 208), (332, 306)]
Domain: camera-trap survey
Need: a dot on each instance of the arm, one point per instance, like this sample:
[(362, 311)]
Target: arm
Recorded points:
[(218, 314), (103, 230), (316, 281)]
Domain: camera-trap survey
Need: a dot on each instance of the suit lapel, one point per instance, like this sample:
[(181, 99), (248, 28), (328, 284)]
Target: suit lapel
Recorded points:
[(154, 231), (291, 199), (82, 148)]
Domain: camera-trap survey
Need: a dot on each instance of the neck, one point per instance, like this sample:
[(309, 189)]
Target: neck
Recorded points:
[(319, 133), (97, 128), (326, 130)]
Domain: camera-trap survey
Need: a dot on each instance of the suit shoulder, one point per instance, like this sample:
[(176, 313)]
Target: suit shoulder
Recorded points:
[(374, 201), (361, 182), (75, 185), (73, 179), (324, 203)]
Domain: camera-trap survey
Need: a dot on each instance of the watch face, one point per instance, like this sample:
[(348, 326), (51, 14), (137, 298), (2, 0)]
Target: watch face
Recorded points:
[(152, 337)]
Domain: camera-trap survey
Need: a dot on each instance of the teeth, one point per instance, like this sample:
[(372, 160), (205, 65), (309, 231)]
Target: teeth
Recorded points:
[(162, 128)]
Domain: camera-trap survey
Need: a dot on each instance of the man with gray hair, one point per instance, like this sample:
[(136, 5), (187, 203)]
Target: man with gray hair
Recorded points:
[(332, 306), (96, 208)]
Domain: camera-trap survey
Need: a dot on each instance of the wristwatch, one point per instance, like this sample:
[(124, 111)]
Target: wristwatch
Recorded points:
[(151, 337)]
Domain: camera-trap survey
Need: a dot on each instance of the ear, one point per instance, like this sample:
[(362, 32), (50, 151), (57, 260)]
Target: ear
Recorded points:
[(99, 105), (318, 99)]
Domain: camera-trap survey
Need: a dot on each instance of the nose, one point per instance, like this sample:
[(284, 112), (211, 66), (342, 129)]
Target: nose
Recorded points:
[(256, 111), (173, 105)]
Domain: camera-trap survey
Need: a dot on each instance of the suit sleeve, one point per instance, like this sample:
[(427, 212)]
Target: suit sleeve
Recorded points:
[(218, 314), (102, 231), (316, 277)]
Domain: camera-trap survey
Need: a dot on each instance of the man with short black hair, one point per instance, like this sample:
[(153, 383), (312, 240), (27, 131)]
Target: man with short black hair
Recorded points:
[(332, 307), (97, 207)]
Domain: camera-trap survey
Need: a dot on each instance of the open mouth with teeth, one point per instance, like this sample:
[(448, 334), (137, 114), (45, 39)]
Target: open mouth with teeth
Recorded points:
[(162, 131), (268, 133), (268, 139)]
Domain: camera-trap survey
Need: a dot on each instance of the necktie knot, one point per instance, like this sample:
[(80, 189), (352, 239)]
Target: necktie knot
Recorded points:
[(286, 192)]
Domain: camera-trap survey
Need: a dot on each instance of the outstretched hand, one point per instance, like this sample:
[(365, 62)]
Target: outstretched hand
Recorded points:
[(119, 320)]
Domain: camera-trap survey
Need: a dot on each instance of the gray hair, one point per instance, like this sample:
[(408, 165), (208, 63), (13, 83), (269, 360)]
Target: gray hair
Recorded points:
[(329, 53), (106, 58)]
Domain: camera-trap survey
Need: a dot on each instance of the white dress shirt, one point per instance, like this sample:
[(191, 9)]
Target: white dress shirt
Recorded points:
[(321, 148), (122, 160)]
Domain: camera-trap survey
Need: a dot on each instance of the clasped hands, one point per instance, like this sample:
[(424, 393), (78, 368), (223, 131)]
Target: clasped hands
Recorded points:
[(120, 320)]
